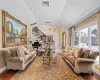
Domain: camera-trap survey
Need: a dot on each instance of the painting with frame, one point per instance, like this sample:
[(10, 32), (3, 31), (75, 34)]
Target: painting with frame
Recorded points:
[(14, 32)]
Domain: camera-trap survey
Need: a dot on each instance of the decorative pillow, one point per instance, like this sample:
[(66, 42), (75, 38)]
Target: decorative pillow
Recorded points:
[(26, 50), (13, 51), (20, 52), (78, 52), (6, 52), (71, 53), (30, 48), (93, 54), (85, 53)]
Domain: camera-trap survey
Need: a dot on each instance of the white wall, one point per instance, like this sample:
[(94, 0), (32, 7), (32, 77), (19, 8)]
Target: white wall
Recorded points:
[(20, 10)]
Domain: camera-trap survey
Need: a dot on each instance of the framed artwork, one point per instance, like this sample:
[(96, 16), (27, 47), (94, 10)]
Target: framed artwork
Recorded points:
[(14, 32), (63, 40)]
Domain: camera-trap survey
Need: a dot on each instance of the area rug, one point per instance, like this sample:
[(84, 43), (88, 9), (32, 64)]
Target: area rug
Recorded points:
[(36, 71)]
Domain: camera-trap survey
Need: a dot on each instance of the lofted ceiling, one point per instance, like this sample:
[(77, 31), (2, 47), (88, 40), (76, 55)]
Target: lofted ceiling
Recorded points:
[(64, 13), (47, 14)]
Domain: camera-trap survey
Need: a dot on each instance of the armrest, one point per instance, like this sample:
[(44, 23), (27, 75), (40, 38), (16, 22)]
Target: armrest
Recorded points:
[(16, 58), (85, 60)]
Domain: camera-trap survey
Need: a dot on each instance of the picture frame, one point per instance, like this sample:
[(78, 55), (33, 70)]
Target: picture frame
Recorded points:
[(64, 40), (14, 32)]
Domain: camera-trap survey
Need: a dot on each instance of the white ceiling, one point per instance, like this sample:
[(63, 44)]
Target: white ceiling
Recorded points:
[(19, 9), (47, 14), (72, 11)]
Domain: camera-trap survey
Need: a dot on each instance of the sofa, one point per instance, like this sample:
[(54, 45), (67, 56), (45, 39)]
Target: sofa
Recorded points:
[(81, 60), (17, 58)]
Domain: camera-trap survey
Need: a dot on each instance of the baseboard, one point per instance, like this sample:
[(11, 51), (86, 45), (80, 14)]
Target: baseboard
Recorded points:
[(97, 71), (3, 69)]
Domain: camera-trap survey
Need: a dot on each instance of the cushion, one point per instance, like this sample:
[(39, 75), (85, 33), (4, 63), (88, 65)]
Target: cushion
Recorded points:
[(28, 57), (6, 52), (13, 51), (66, 49), (20, 52), (26, 50), (71, 59), (85, 53), (71, 53), (78, 52), (30, 48), (93, 54)]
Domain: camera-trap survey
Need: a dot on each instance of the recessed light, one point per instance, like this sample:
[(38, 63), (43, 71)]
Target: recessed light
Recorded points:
[(32, 9), (60, 9)]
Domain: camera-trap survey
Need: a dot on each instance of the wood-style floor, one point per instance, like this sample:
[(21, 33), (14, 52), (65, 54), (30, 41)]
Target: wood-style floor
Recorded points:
[(10, 73)]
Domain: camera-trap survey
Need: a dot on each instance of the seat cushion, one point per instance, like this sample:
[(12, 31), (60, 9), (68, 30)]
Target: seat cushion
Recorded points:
[(78, 52), (28, 57), (71, 59), (33, 52)]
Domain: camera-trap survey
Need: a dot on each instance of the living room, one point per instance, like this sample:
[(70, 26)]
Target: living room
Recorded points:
[(49, 40)]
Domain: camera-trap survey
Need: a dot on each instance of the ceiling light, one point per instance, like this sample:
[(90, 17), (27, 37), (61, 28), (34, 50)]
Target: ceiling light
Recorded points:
[(60, 9), (32, 9)]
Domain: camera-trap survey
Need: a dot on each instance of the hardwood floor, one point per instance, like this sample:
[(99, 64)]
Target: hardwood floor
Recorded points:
[(7, 75)]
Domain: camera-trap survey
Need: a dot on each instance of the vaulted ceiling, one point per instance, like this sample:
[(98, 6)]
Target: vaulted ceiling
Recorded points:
[(64, 13)]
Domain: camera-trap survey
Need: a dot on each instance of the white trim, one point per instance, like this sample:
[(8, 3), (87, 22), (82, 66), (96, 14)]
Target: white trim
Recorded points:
[(3, 69), (97, 71)]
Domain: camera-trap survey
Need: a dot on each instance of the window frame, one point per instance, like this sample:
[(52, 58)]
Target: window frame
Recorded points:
[(83, 27)]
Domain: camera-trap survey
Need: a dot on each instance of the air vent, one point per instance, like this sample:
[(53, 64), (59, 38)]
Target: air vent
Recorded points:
[(33, 24), (47, 22), (45, 3)]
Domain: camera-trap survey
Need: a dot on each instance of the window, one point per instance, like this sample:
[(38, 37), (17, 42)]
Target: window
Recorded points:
[(94, 36), (84, 37), (87, 37)]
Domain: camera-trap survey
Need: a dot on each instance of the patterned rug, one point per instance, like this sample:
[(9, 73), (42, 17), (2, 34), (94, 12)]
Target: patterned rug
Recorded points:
[(36, 71)]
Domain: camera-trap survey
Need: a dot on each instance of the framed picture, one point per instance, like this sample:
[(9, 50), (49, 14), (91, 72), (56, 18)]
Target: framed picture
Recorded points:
[(14, 32), (63, 40)]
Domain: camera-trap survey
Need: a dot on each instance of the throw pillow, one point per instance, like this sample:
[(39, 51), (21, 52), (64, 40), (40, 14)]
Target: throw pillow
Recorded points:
[(20, 52), (13, 51), (93, 54), (78, 52), (85, 53), (71, 53), (25, 50)]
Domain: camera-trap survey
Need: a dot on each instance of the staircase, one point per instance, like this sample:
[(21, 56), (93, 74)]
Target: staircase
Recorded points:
[(42, 38)]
